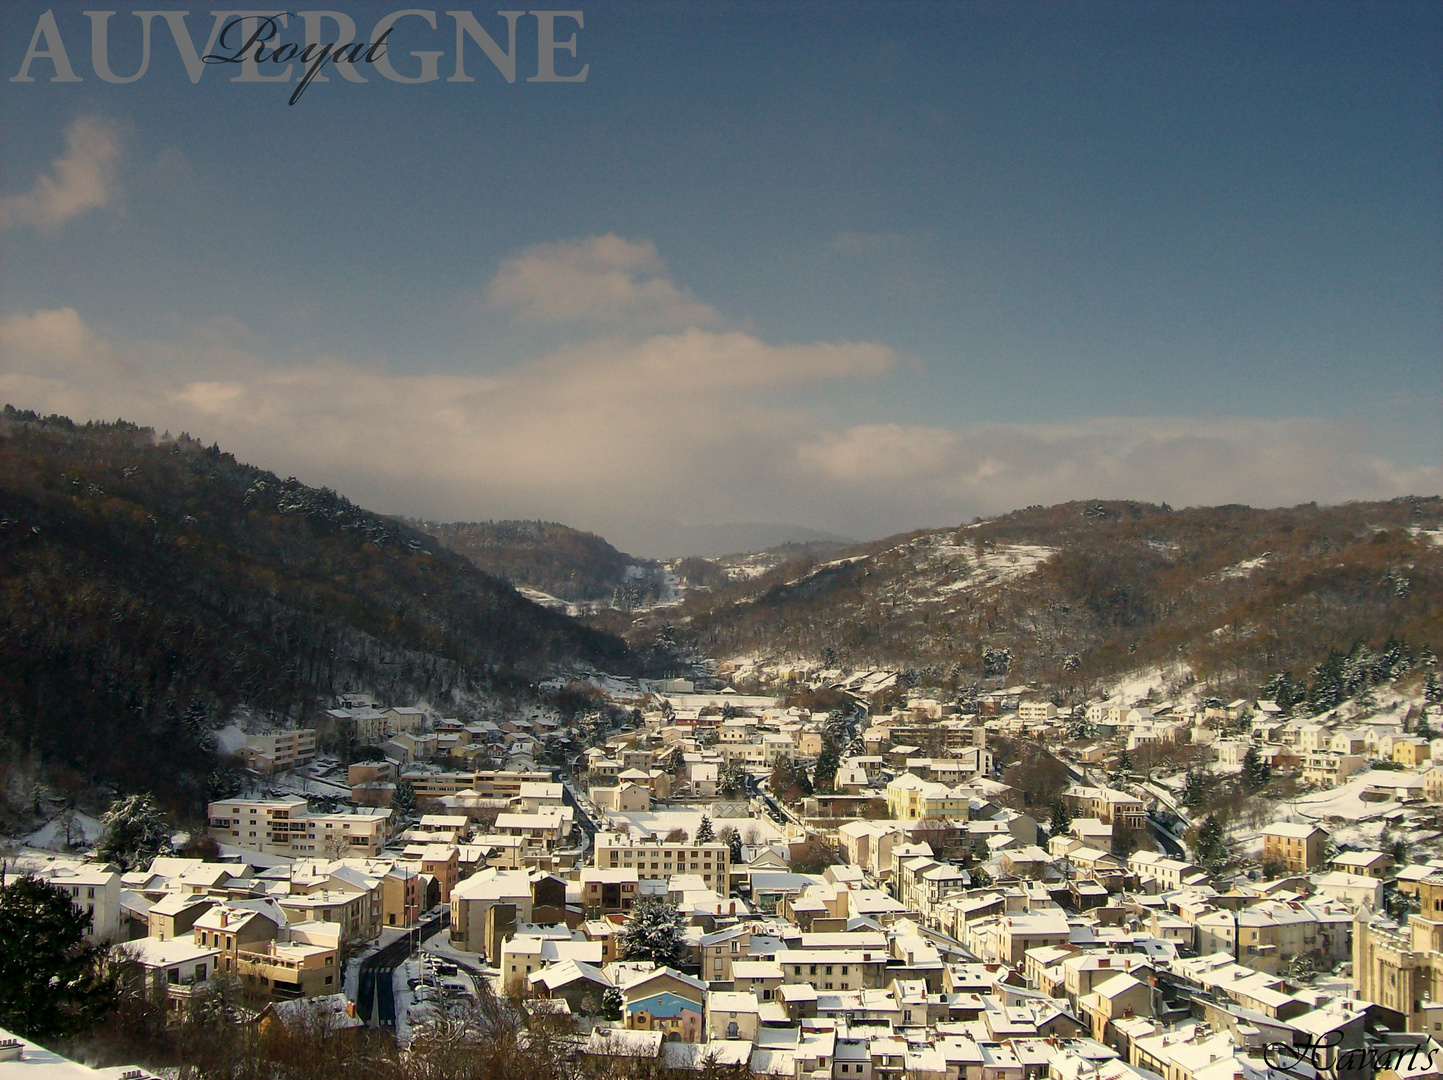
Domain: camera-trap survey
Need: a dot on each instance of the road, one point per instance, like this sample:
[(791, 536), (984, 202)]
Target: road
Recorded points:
[(1170, 847), (375, 997), (583, 818)]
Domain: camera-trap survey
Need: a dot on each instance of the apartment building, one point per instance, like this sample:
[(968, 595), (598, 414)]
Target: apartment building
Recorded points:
[(278, 751), (287, 827), (655, 860), (487, 783), (910, 798)]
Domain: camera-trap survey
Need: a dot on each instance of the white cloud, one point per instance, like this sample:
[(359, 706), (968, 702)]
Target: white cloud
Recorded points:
[(696, 425), (603, 279), (81, 179)]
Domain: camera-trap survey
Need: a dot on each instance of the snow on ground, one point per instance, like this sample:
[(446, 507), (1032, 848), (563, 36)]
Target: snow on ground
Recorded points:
[(942, 567), (229, 739), (259, 860), (404, 998), (1135, 686), (439, 944), (1344, 802), (84, 831), (1244, 568), (546, 600), (1435, 536), (664, 820), (753, 566)]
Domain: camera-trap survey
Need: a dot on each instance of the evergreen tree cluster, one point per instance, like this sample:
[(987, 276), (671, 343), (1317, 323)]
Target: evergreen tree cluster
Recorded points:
[(654, 932), (53, 981)]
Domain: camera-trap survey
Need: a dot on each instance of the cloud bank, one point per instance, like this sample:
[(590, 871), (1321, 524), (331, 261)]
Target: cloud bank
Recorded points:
[(664, 417)]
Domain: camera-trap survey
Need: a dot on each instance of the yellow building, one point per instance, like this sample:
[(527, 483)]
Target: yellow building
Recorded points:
[(910, 798), (1298, 846), (1411, 752)]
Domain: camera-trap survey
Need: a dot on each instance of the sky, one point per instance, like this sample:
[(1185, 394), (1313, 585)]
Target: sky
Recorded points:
[(744, 271)]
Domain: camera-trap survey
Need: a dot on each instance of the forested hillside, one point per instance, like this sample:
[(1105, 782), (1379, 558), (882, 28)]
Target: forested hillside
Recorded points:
[(1071, 596), (147, 587), (563, 562)]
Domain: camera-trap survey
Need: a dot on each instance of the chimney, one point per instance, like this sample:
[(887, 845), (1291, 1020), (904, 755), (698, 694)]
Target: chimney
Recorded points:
[(224, 918)]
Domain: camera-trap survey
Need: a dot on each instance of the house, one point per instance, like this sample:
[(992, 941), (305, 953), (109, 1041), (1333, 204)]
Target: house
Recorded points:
[(1373, 864), (581, 985), (604, 890), (1120, 997), (172, 966), (1298, 846), (666, 1001), (732, 1015), (1107, 805)]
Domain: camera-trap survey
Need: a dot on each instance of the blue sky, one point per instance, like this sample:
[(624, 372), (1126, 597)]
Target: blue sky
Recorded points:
[(853, 267)]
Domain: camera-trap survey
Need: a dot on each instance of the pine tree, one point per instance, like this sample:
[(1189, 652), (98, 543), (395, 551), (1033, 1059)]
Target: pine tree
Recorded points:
[(1210, 847), (1061, 819), (824, 773), (52, 981), (135, 832), (704, 833), (612, 1003), (403, 800), (1195, 788), (1256, 771), (653, 933), (735, 842), (732, 779), (1123, 773)]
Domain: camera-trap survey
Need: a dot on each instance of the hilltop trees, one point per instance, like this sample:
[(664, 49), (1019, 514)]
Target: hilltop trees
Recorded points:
[(166, 583)]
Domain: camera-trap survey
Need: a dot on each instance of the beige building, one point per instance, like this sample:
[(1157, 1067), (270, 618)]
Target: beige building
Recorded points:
[(279, 751), (486, 783), (287, 827), (1107, 805), (271, 957), (1411, 752), (1328, 768), (1298, 846), (658, 860)]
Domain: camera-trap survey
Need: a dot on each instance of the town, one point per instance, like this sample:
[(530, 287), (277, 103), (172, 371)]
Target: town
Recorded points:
[(839, 879)]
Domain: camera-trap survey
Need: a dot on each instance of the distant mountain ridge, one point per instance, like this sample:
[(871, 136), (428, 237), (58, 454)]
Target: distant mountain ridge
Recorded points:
[(1070, 596), (147, 587)]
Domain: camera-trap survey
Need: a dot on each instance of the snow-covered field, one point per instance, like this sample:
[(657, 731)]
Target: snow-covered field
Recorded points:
[(84, 831)]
